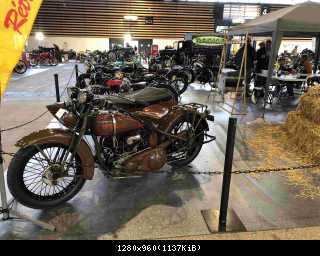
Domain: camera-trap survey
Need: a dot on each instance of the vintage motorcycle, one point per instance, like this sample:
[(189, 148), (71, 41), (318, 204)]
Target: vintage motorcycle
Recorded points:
[(202, 72), (44, 57), (52, 165)]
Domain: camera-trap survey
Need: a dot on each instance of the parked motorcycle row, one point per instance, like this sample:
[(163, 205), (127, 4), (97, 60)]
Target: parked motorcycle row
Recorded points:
[(123, 119), (114, 55), (106, 77), (131, 135)]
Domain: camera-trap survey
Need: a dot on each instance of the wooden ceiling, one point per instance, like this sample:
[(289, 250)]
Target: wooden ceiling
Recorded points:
[(105, 18)]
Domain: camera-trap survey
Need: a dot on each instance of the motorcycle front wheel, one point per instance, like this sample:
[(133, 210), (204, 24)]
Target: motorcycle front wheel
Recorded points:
[(182, 153), (37, 180), (21, 68)]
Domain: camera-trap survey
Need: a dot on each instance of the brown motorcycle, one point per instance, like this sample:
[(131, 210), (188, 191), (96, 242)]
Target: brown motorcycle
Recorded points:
[(52, 165)]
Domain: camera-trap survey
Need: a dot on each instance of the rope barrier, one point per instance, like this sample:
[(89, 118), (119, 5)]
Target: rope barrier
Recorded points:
[(239, 172), (41, 115)]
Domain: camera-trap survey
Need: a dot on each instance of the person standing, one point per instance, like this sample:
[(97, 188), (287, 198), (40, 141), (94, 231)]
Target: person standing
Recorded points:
[(262, 58)]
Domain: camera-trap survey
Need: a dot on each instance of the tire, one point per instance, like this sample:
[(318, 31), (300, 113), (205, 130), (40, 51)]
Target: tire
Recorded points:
[(196, 147), (179, 82), (21, 68), (17, 183), (54, 61)]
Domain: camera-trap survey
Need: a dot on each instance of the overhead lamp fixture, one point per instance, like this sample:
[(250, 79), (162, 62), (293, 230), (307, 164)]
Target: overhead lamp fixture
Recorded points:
[(131, 18), (40, 36)]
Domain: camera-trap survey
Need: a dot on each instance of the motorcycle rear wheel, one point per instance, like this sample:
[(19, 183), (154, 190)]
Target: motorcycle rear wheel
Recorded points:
[(28, 175), (53, 61), (179, 82), (192, 146)]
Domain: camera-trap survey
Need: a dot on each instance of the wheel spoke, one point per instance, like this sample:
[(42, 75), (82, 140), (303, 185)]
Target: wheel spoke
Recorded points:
[(43, 154), (43, 161)]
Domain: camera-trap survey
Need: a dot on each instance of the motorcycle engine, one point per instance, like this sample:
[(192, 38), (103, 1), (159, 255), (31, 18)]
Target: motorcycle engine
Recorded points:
[(114, 148)]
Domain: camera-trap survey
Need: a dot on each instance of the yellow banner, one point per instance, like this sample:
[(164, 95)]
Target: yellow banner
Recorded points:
[(16, 21)]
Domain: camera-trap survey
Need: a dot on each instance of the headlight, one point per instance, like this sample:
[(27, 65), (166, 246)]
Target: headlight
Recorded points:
[(82, 97)]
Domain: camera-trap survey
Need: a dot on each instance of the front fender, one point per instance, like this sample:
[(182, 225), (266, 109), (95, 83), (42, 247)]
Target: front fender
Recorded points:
[(63, 137)]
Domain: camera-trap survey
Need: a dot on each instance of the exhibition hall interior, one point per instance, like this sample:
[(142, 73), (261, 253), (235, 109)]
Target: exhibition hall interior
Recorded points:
[(159, 120)]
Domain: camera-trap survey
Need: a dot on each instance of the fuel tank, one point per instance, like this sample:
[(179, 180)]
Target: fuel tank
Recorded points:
[(110, 124)]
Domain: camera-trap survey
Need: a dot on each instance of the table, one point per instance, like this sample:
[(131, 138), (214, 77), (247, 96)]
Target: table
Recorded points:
[(280, 89), (286, 78)]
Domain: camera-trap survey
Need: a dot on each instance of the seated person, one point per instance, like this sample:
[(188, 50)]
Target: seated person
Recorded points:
[(306, 64), (306, 71)]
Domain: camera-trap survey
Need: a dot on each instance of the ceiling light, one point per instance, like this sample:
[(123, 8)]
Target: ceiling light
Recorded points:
[(40, 36), (131, 18)]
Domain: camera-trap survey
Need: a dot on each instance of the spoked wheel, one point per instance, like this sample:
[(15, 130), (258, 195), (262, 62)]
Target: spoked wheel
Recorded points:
[(181, 153), (180, 83), (21, 68), (37, 179), (54, 61)]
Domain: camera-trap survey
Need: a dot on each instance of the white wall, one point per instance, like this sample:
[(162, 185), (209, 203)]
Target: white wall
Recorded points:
[(302, 44), (82, 44), (67, 43)]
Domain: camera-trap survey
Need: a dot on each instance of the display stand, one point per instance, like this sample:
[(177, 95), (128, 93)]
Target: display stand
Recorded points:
[(6, 207), (216, 91), (242, 76)]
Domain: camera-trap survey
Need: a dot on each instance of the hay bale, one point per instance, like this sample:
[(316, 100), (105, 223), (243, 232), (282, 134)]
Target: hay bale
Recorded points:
[(304, 133), (310, 104)]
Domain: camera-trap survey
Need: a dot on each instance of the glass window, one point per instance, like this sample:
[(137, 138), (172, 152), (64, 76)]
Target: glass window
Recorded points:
[(240, 13)]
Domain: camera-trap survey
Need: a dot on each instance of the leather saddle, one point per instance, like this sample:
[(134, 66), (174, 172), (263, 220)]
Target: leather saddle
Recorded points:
[(143, 98)]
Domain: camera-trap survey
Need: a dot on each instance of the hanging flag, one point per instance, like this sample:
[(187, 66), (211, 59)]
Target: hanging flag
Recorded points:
[(16, 21)]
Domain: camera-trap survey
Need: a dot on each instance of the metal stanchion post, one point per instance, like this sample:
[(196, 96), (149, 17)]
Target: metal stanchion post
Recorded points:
[(3, 193), (56, 81), (77, 71), (227, 175)]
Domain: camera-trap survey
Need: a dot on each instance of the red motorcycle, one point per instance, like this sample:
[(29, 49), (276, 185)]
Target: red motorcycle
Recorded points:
[(43, 58)]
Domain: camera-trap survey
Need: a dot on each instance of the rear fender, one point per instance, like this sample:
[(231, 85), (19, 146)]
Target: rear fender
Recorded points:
[(61, 137), (167, 122)]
